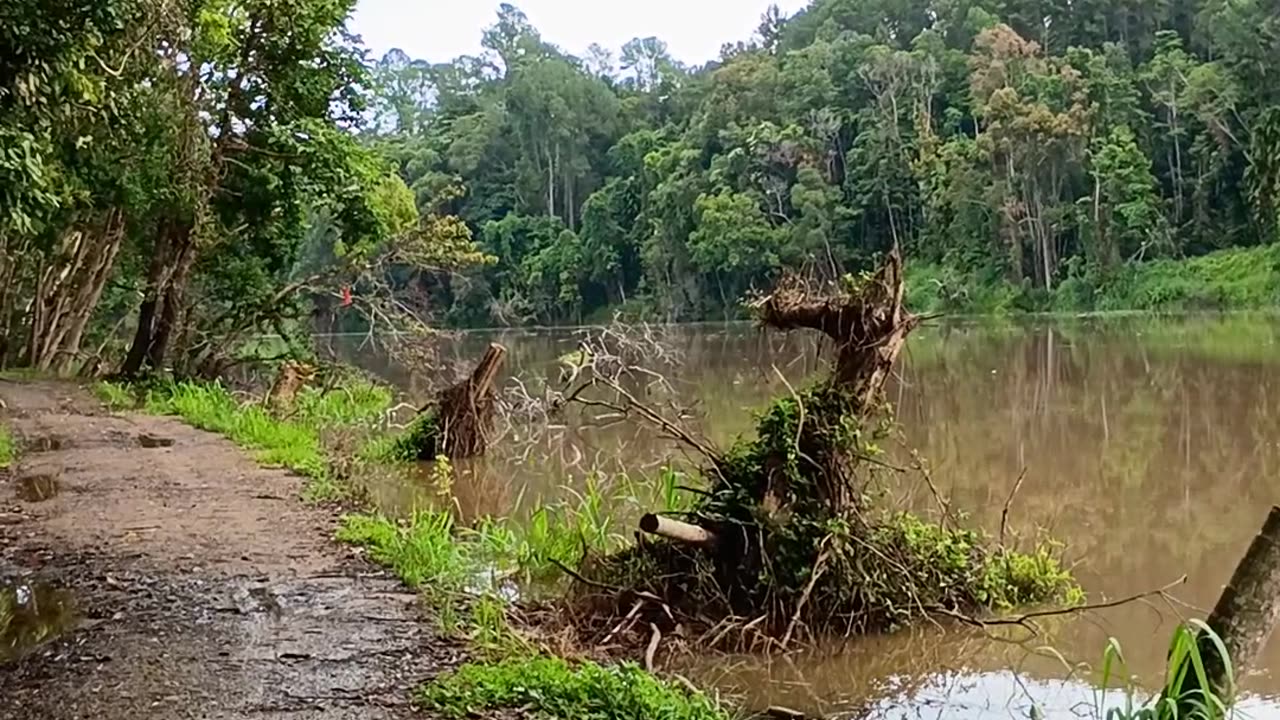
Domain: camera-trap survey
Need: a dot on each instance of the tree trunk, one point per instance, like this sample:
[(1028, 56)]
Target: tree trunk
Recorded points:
[(174, 301), (458, 423), (1243, 619), (869, 326), (171, 250), (1249, 607)]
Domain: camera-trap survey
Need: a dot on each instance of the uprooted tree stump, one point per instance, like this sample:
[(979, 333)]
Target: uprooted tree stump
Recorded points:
[(458, 423), (785, 538)]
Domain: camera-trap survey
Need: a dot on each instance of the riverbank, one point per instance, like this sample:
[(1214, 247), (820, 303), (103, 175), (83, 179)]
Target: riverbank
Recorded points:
[(183, 580), (1232, 279)]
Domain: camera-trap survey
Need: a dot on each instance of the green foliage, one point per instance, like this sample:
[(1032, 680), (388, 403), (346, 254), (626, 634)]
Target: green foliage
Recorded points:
[(1239, 278), (116, 396), (1008, 159), (549, 687), (418, 441), (954, 567), (1182, 695), (422, 551), (8, 450)]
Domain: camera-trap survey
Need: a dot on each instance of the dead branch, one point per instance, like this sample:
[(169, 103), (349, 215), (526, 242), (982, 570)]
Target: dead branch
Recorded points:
[(1004, 514), (1024, 618), (652, 650), (679, 531), (585, 581)]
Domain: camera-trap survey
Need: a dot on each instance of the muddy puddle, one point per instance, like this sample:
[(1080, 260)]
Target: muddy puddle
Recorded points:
[(31, 614), (1150, 446), (38, 488)]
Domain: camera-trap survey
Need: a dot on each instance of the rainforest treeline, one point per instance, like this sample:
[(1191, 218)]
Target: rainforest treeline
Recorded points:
[(177, 176), (1022, 152)]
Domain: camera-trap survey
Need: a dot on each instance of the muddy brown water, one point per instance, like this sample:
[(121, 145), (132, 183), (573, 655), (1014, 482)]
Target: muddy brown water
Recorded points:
[(1151, 449)]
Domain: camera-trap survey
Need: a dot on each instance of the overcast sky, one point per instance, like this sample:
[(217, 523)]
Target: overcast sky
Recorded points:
[(440, 30)]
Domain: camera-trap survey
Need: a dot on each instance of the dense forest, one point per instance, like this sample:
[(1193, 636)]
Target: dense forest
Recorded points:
[(1026, 149), (179, 175)]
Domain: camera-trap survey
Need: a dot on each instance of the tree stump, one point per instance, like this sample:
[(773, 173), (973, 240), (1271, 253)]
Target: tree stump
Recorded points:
[(459, 422)]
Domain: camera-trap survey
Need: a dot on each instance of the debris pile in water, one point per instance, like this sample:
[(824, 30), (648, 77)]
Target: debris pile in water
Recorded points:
[(788, 540)]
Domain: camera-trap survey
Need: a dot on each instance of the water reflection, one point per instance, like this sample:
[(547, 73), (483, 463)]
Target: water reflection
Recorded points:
[(1150, 447), (32, 614)]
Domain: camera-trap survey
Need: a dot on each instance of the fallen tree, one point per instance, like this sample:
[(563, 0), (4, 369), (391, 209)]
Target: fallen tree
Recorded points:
[(788, 540)]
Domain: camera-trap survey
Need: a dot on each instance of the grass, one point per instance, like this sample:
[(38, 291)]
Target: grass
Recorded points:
[(1182, 695), (274, 442), (116, 396), (549, 687), (422, 551), (294, 441), (429, 549), (8, 449)]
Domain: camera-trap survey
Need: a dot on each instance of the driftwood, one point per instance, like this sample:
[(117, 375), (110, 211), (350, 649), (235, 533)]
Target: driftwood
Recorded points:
[(679, 531)]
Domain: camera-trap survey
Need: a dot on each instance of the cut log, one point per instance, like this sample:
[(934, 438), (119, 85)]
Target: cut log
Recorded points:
[(682, 532)]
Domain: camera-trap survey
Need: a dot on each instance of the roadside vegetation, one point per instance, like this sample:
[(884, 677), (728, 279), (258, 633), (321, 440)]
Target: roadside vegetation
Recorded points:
[(295, 440), (476, 577), (8, 450)]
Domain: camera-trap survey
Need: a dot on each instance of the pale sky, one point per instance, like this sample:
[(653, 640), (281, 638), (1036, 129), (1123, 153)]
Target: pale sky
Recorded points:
[(440, 30)]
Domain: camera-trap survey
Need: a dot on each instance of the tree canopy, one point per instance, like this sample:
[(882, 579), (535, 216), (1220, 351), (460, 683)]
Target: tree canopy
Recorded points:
[(1020, 142), (177, 176)]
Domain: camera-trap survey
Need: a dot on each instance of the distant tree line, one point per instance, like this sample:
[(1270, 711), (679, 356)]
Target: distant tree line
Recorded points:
[(1027, 143), (180, 176)]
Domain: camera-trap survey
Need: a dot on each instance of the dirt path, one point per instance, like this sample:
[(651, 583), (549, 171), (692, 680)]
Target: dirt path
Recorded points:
[(194, 583)]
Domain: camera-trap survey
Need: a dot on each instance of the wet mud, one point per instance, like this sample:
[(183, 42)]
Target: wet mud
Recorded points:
[(150, 570)]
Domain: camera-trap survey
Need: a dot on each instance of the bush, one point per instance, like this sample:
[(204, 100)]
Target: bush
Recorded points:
[(8, 450), (548, 687)]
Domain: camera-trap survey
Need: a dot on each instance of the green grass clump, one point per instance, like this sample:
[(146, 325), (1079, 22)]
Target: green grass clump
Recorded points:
[(1186, 675), (415, 442), (275, 442), (8, 449), (357, 403), (421, 551), (116, 396), (547, 687)]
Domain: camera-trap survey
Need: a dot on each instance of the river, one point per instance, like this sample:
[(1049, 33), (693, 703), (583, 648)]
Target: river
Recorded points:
[(1150, 448)]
